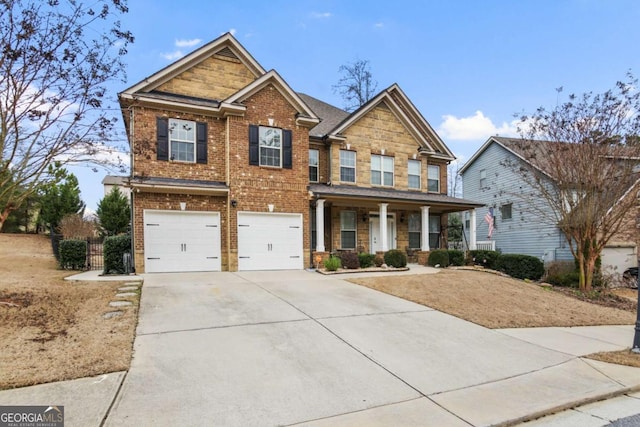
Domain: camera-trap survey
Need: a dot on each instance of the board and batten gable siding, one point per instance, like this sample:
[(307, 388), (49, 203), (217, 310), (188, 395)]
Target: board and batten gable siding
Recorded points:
[(527, 232)]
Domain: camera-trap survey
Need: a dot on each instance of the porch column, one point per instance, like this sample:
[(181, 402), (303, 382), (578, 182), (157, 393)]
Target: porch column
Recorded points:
[(424, 230), (320, 225), (384, 244), (472, 230)]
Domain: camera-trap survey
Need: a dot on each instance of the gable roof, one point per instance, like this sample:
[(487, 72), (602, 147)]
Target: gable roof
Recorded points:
[(516, 147), (329, 114), (305, 114), (430, 143), (225, 45)]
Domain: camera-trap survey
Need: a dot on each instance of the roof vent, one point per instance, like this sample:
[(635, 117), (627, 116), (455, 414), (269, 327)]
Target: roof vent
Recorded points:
[(227, 52)]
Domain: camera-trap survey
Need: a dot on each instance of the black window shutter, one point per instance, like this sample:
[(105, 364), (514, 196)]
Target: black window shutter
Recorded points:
[(254, 151), (201, 143), (162, 130), (287, 149)]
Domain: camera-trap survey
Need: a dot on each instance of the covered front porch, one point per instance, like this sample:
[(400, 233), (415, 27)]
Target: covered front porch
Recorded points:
[(345, 218)]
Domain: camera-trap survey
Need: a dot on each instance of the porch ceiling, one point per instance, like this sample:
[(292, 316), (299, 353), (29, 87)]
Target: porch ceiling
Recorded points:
[(371, 196)]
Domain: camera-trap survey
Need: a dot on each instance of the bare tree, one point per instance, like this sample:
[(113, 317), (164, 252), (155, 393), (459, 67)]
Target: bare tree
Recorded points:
[(454, 184), (582, 162), (57, 57), (356, 86)]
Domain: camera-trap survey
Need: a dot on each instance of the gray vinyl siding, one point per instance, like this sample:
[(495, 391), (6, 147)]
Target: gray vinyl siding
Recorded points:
[(527, 232)]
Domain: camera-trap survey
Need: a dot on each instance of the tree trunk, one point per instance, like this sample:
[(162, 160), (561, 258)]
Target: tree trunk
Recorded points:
[(4, 215), (581, 271)]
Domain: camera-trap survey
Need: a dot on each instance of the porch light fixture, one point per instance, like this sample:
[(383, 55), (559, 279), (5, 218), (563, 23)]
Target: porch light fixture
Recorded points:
[(364, 217), (402, 217), (234, 203)]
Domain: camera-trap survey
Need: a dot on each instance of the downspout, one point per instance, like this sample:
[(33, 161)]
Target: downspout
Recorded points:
[(131, 195), (229, 195)]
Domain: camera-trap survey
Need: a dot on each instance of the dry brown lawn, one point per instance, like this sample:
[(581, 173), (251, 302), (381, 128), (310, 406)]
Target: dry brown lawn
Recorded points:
[(53, 329), (496, 301)]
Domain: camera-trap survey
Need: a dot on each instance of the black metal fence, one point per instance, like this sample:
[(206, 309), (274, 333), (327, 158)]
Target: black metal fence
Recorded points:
[(95, 253)]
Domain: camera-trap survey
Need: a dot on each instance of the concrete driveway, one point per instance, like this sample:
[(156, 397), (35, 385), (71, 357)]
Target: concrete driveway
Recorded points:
[(296, 347)]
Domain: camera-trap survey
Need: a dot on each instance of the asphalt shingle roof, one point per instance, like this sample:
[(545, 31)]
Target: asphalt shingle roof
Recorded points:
[(331, 116)]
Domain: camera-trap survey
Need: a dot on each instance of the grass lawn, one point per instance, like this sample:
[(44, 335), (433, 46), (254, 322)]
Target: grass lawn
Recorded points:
[(495, 302), (53, 329)]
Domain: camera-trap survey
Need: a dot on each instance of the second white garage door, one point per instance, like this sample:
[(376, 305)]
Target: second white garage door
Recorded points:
[(269, 241), (181, 241)]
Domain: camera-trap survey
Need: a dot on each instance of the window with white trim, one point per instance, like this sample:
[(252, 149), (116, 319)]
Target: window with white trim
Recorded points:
[(506, 211), (433, 178), (434, 232), (483, 178), (347, 166), (182, 140), (415, 177), (348, 229), (415, 230), (270, 146), (314, 162), (382, 170)]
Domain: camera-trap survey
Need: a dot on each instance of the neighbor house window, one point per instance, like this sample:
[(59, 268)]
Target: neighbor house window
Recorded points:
[(414, 174), (270, 146), (348, 229), (182, 137), (347, 166), (483, 178), (505, 211), (467, 220), (382, 170), (415, 224), (433, 181), (314, 161)]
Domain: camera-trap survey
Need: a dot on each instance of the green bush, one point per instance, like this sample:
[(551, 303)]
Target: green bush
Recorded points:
[(332, 263), (350, 260), (439, 257), (378, 260), (456, 257), (366, 260), (487, 259), (395, 258), (521, 266), (73, 254), (562, 273), (114, 249)]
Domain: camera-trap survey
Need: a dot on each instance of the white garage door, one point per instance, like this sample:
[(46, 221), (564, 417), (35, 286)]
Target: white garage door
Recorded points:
[(181, 241), (616, 259), (269, 241)]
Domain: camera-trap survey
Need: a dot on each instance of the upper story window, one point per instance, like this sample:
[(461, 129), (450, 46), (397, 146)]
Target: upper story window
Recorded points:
[(414, 174), (347, 166), (433, 178), (182, 140), (506, 211), (483, 178), (314, 162), (270, 147), (382, 170)]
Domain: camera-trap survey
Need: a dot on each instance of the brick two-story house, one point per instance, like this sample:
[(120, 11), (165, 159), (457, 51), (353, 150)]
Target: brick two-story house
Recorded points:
[(233, 170)]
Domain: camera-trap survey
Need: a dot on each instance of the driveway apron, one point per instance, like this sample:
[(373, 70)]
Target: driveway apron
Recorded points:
[(282, 348)]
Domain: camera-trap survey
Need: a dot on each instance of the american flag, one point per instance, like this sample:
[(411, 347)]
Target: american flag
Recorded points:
[(490, 220)]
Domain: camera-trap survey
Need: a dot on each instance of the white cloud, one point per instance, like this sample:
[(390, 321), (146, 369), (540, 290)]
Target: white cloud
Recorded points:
[(474, 127), (378, 25), (172, 56), (321, 15), (232, 31), (187, 43)]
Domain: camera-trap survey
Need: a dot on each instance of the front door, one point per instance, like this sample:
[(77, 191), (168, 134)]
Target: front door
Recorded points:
[(375, 243)]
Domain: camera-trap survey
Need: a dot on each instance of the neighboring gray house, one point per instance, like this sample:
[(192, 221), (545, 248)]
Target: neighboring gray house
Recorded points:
[(517, 228)]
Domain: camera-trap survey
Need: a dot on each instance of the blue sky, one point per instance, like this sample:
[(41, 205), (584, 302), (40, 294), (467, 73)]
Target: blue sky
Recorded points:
[(468, 66)]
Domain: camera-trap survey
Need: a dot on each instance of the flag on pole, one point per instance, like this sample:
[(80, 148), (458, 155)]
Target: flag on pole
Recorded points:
[(490, 221)]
